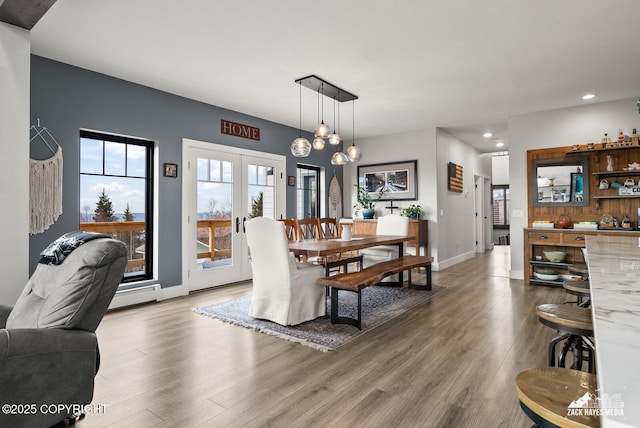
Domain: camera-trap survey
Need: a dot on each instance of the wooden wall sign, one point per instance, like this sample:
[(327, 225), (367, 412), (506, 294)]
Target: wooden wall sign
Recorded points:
[(239, 130), (455, 177)]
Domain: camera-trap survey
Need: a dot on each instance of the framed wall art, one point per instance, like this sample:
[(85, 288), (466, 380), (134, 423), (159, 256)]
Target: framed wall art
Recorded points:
[(396, 180), (170, 170)]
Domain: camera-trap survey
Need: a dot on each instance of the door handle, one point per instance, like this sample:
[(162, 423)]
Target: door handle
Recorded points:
[(237, 224), (244, 219)]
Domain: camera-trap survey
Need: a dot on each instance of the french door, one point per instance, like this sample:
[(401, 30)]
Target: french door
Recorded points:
[(223, 188)]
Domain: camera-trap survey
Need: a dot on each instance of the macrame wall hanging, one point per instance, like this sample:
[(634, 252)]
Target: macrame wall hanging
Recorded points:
[(335, 198), (45, 182)]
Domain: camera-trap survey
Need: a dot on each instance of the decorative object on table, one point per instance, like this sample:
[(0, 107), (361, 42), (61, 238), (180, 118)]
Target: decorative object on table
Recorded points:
[(542, 224), (45, 182), (615, 184), (346, 234), (606, 140), (575, 147), (604, 184), (554, 256), (635, 138), (609, 163), (398, 180), (366, 203), (591, 146), (546, 274), (606, 220), (454, 173), (379, 305), (412, 211), (629, 183), (564, 221)]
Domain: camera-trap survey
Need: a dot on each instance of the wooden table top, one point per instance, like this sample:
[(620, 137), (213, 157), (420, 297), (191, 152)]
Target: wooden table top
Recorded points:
[(325, 247), (549, 391)]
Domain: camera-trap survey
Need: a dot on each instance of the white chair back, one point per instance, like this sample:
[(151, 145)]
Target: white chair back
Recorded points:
[(392, 225)]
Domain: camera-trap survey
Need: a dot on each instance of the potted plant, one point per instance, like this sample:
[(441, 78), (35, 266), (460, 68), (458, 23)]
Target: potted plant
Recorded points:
[(412, 211), (365, 202)]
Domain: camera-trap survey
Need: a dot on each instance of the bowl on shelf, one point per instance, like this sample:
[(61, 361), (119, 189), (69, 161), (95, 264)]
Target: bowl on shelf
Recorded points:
[(554, 256), (546, 274)]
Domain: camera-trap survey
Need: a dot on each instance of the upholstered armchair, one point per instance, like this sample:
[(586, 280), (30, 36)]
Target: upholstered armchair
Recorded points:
[(284, 291), (48, 346), (386, 225)]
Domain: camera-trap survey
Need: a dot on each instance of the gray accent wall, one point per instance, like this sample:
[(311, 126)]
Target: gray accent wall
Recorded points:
[(67, 98)]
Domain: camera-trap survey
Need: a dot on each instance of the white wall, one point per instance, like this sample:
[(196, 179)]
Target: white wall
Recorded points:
[(456, 211), (419, 145), (15, 48), (556, 128), (500, 169), (451, 236)]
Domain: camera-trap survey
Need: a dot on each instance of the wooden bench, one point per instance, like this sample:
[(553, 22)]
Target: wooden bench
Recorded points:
[(357, 281)]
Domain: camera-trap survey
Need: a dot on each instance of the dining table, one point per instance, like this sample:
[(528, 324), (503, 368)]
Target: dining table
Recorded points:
[(332, 246), (614, 277)]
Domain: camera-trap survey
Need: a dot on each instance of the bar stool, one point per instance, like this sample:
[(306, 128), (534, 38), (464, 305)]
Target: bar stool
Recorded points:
[(547, 394), (575, 327), (581, 290)]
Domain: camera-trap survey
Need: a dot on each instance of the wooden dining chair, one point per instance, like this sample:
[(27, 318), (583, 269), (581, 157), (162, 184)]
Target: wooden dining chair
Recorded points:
[(308, 228), (290, 229), (328, 228)]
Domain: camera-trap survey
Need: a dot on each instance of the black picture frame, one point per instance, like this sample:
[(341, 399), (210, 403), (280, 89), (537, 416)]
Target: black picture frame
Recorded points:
[(170, 170), (398, 179)]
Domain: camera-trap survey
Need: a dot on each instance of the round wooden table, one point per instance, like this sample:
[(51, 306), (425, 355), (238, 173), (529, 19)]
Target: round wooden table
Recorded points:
[(580, 269), (549, 391)]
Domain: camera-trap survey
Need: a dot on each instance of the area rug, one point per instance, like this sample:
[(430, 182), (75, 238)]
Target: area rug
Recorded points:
[(379, 305)]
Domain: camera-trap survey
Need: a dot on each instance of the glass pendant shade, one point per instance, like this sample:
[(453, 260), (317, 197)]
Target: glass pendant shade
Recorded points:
[(300, 147), (354, 153), (334, 139), (318, 143), (339, 158), (322, 130)]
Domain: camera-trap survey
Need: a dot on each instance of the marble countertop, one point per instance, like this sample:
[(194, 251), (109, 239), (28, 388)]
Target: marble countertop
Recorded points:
[(614, 275)]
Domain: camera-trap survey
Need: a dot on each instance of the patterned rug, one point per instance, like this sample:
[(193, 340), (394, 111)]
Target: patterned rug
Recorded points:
[(379, 305)]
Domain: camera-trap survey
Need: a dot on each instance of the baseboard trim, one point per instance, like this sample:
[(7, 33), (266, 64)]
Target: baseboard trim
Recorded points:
[(171, 292), (135, 296), (455, 260)]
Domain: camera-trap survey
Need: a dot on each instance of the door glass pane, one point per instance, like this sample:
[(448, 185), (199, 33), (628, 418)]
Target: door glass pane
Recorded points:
[(262, 191), (307, 195), (214, 208)]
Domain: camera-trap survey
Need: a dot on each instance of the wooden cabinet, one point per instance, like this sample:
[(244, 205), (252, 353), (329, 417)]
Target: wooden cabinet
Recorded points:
[(419, 229), (570, 241)]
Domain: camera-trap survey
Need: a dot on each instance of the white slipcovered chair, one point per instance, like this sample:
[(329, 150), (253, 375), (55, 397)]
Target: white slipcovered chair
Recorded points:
[(284, 291), (387, 225)]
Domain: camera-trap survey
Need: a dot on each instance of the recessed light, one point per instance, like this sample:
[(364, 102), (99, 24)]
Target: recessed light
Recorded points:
[(499, 144), (588, 96), (487, 135)]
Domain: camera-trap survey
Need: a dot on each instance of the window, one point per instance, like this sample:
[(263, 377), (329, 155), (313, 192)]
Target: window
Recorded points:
[(501, 206), (308, 191), (116, 195)]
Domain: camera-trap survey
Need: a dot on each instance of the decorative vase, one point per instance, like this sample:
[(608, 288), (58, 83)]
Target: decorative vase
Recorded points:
[(368, 213), (346, 233), (415, 216)]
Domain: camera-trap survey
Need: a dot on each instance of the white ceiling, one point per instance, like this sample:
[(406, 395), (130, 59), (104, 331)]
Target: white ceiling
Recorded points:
[(462, 65)]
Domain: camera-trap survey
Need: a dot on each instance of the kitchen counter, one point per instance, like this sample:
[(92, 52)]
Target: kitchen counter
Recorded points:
[(614, 274)]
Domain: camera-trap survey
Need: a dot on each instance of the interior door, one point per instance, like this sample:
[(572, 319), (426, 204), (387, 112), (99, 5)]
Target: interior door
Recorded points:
[(223, 188)]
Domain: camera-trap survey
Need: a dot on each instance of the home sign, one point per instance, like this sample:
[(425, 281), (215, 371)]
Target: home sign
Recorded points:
[(239, 130)]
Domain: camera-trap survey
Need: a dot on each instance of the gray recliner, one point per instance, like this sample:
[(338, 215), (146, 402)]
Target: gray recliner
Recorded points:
[(48, 347)]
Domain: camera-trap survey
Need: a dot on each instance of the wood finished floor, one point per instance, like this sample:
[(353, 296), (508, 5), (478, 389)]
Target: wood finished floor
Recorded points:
[(450, 362)]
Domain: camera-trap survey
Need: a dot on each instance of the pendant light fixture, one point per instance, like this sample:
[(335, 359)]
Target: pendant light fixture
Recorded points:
[(334, 138), (300, 147), (354, 152), (318, 142), (322, 130)]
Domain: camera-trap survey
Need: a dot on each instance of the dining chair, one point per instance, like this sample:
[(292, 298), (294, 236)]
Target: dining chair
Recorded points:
[(392, 224), (284, 291), (308, 228), (290, 229), (328, 228)]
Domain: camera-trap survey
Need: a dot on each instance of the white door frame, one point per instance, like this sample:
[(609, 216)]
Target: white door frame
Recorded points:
[(189, 145)]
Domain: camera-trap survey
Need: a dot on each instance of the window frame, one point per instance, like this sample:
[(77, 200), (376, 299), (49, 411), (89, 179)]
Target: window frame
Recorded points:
[(149, 147), (507, 219)]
